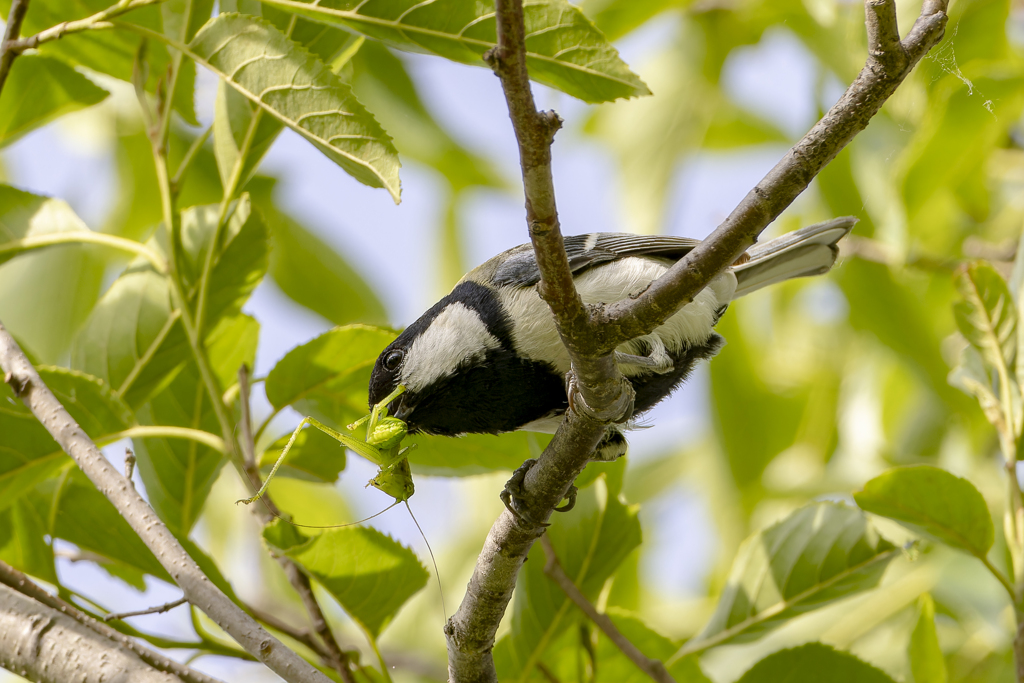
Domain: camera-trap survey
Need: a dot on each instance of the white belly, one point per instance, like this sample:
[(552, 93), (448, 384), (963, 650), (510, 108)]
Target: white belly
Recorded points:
[(615, 281)]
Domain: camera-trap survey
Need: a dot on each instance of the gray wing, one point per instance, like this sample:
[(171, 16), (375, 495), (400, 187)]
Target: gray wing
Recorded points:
[(519, 268)]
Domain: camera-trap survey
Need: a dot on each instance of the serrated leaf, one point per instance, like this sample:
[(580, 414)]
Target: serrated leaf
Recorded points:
[(591, 541), (926, 661), (329, 376), (563, 48), (807, 663), (987, 316), (314, 456), (40, 89), (933, 502), (819, 554), (82, 515), (28, 454), (369, 574), (298, 90)]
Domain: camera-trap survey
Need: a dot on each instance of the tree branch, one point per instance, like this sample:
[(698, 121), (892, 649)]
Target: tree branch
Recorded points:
[(15, 17), (14, 579), (159, 609), (553, 570), (597, 392), (199, 590)]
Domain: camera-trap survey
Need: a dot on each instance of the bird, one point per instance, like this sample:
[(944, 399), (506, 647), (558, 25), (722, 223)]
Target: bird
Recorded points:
[(487, 358)]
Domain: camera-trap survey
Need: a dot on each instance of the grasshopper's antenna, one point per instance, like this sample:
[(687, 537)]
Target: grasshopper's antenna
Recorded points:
[(338, 526), (437, 574)]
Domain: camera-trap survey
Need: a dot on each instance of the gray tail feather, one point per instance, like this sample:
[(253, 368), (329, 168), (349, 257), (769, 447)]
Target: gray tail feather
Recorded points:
[(807, 251)]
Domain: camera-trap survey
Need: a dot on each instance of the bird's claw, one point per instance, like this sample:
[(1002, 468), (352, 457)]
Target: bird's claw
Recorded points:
[(513, 496)]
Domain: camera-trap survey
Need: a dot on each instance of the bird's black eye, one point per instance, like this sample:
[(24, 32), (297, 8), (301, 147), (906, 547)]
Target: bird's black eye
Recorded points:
[(393, 359)]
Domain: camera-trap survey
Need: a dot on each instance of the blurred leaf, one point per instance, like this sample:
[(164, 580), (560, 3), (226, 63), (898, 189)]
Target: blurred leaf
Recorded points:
[(300, 92), (28, 454), (328, 377), (616, 18), (109, 52), (181, 20), (40, 89), (64, 282), (369, 574), (473, 453), (933, 502), (231, 344), (305, 267), (23, 544), (734, 127), (83, 516), (239, 123), (987, 316), (819, 554), (591, 541), (314, 456), (971, 377), (563, 49), (381, 81), (926, 661), (807, 663), (614, 667)]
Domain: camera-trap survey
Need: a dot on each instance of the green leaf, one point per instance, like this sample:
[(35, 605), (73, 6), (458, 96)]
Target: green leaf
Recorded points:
[(24, 215), (236, 121), (298, 90), (82, 515), (614, 667), (819, 554), (40, 89), (473, 453), (314, 456), (22, 542), (806, 664), (368, 573), (563, 49), (616, 18), (591, 541), (987, 316), (28, 454), (328, 377), (926, 661), (304, 267), (933, 502), (972, 377)]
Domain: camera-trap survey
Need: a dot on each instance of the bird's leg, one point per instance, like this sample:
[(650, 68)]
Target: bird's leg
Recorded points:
[(657, 360), (513, 495)]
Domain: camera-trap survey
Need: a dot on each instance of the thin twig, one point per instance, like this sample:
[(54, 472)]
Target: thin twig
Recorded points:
[(591, 333), (97, 21), (199, 590), (159, 609), (129, 465), (13, 578), (15, 17), (554, 571)]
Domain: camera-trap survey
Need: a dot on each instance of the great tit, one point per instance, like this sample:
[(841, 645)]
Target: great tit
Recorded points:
[(487, 358)]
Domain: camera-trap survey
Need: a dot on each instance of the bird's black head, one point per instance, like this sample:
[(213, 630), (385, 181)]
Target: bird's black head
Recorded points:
[(438, 353)]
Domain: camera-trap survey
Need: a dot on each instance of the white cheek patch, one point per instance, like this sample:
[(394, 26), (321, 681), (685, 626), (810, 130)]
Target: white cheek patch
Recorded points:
[(455, 336)]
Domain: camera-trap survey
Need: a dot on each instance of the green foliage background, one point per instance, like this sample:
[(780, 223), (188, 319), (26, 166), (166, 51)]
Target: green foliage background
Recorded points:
[(805, 408)]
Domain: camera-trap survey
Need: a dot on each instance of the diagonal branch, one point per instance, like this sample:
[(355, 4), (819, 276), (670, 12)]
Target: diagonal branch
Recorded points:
[(553, 569), (199, 590), (597, 392), (12, 578), (15, 17)]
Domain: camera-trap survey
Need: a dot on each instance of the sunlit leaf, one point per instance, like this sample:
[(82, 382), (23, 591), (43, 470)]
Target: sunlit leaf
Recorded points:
[(972, 377), (181, 20), (473, 453), (298, 90), (616, 18), (805, 664), (931, 501), (819, 554), (987, 316), (926, 661), (314, 456), (28, 454), (23, 544), (591, 541), (369, 574), (236, 124), (40, 89), (563, 49), (328, 377)]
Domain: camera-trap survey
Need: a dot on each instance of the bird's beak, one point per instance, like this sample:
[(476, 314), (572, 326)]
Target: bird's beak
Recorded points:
[(401, 408)]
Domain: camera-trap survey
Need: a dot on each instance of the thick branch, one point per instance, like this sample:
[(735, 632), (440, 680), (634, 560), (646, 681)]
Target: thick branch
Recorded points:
[(15, 17), (889, 62), (553, 570), (199, 590), (11, 577), (591, 333)]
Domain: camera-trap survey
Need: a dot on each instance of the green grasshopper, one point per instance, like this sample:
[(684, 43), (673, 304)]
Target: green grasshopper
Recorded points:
[(382, 447)]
